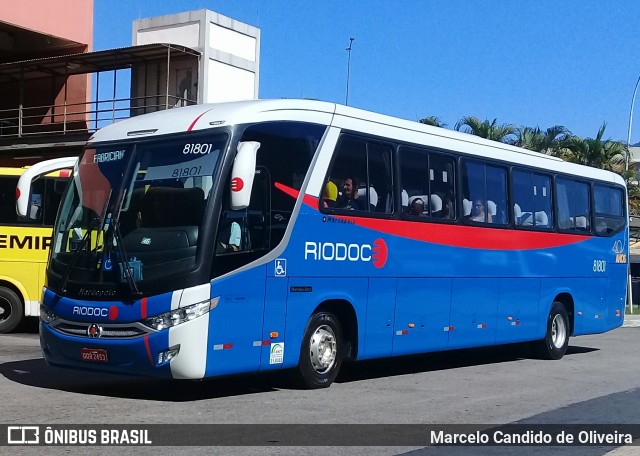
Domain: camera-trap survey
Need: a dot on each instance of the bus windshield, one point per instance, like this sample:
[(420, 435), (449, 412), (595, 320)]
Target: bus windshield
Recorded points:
[(133, 212)]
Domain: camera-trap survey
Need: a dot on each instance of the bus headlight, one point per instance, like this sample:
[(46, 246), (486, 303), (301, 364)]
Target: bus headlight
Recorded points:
[(179, 316), (46, 315)]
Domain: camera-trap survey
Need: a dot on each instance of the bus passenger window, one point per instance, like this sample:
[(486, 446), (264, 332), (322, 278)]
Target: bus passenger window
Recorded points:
[(574, 213), (485, 190), (363, 172), (532, 199), (609, 210), (429, 177)]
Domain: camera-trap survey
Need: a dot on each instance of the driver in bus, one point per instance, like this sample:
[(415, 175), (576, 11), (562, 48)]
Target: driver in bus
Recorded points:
[(234, 239)]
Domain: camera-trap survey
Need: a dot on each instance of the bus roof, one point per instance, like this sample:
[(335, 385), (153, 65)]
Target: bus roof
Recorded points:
[(206, 116)]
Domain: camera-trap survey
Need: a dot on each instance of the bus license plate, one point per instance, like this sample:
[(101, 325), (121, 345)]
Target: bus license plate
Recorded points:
[(94, 355)]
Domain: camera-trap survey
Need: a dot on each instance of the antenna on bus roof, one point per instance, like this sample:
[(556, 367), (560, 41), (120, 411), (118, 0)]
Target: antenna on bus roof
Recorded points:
[(346, 100)]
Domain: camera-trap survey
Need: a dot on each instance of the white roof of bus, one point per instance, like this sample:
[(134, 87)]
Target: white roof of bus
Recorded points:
[(205, 116)]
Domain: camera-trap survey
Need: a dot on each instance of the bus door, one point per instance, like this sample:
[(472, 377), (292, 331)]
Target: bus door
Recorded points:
[(235, 332)]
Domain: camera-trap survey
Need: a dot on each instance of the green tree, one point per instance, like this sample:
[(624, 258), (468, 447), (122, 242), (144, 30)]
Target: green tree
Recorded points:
[(548, 142), (596, 152), (486, 129), (433, 121)]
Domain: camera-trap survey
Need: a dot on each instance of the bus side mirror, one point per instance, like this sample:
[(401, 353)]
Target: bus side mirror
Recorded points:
[(242, 174), (23, 189)]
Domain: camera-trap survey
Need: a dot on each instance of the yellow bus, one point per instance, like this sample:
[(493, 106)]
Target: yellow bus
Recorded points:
[(25, 240)]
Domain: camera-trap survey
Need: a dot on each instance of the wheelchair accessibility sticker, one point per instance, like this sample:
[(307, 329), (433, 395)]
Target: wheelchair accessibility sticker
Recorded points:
[(280, 267)]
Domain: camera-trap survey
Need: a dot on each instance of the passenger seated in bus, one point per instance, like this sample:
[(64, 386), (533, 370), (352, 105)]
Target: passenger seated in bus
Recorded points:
[(479, 212), (417, 208), (447, 207), (349, 198), (330, 194)]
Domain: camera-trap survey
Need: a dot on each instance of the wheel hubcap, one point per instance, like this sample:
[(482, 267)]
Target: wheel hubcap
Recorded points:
[(558, 331), (5, 309), (323, 349)]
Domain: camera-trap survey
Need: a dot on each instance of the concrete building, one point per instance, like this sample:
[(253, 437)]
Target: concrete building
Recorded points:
[(30, 30), (48, 106), (229, 66)]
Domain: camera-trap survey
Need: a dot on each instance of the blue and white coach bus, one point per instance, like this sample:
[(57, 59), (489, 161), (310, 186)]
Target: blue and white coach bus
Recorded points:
[(208, 240)]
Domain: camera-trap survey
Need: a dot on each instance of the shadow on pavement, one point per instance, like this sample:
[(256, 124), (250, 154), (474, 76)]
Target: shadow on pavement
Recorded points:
[(35, 372), (437, 361)]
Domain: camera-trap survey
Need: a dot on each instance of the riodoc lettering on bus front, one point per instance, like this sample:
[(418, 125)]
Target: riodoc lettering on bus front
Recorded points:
[(339, 251), (88, 311)]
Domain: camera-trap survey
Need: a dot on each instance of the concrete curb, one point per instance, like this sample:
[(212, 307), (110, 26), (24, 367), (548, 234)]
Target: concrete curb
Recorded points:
[(631, 321)]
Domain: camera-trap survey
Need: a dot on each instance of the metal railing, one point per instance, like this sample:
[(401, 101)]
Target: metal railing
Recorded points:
[(87, 117)]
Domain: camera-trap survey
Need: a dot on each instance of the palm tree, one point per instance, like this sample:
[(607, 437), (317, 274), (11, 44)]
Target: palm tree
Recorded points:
[(548, 142), (433, 121), (595, 152), (486, 129)]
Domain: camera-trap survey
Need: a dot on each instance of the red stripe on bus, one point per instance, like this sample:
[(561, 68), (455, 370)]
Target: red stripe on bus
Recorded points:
[(193, 124), (146, 344), (308, 200), (472, 237), (468, 236), (143, 308)]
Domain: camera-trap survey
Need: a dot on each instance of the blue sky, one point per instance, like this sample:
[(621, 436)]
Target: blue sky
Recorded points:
[(543, 62)]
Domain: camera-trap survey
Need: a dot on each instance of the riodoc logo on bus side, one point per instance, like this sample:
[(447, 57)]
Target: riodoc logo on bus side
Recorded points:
[(377, 252)]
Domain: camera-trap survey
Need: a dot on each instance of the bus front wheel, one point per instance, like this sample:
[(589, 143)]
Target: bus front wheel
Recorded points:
[(11, 310), (556, 340), (321, 352)]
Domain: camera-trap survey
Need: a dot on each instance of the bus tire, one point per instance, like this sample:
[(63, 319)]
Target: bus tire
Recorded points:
[(11, 310), (321, 352), (556, 339)]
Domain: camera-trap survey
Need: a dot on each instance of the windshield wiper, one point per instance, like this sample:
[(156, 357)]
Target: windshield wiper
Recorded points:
[(117, 237), (76, 255)]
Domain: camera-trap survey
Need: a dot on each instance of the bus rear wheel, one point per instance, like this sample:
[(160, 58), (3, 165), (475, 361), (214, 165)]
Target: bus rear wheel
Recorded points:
[(321, 352), (556, 340), (11, 310)]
